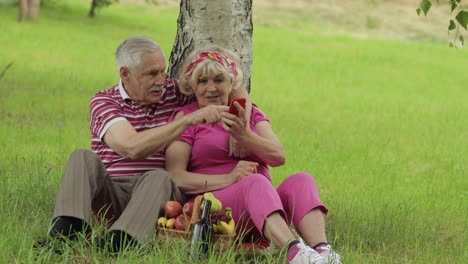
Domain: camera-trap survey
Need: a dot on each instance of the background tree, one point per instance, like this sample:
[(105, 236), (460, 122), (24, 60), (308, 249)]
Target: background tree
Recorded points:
[(459, 17), (227, 23), (99, 3), (29, 9)]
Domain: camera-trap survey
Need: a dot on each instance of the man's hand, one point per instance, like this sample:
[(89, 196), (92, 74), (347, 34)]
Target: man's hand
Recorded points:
[(243, 168), (210, 114)]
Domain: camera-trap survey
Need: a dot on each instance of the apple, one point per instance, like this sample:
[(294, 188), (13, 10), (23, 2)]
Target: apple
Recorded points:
[(181, 222), (188, 208), (172, 209)]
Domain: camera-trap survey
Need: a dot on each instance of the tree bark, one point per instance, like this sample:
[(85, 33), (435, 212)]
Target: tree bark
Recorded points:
[(34, 6), (92, 12), (226, 23), (29, 9), (23, 10)]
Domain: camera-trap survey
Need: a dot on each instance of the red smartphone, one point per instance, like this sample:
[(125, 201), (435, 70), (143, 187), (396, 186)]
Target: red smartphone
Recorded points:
[(233, 109)]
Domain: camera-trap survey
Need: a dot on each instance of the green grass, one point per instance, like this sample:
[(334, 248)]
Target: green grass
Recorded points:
[(382, 126)]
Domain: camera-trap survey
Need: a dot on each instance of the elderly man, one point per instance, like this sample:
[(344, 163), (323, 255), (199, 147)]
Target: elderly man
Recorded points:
[(123, 175)]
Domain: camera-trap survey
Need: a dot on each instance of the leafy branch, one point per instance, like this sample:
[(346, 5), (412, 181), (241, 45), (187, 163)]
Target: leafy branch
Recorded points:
[(459, 17)]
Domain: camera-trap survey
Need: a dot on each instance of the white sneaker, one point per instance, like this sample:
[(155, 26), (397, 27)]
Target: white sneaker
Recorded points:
[(330, 256), (307, 255)]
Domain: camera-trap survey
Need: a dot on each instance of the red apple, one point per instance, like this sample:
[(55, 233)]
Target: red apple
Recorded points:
[(180, 222), (172, 209), (188, 208)]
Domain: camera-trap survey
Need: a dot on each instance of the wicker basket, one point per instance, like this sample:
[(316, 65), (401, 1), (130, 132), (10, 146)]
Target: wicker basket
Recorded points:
[(167, 233)]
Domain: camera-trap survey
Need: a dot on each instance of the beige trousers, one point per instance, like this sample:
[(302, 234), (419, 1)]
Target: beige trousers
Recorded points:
[(135, 202)]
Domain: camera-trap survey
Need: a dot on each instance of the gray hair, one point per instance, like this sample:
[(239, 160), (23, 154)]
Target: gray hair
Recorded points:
[(130, 53)]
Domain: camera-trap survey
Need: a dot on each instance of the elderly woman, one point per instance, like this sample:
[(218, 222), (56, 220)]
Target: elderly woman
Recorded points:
[(200, 162)]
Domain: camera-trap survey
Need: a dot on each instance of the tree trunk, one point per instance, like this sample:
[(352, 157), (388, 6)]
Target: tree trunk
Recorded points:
[(29, 9), (226, 23), (33, 11), (92, 12), (23, 8)]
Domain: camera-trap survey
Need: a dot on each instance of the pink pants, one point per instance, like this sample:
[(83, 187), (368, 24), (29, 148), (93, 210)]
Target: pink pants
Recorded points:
[(254, 198)]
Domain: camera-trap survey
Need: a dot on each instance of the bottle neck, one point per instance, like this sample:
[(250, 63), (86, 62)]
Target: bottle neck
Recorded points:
[(206, 209)]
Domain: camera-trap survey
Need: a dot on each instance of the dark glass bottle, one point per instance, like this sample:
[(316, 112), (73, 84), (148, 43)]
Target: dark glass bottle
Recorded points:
[(201, 233)]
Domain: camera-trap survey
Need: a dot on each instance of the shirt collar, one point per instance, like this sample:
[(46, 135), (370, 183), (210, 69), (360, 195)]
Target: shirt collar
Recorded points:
[(122, 91)]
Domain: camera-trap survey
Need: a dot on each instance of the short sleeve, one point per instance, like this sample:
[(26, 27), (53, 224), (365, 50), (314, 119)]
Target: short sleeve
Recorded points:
[(174, 113), (104, 112), (189, 134), (257, 116)]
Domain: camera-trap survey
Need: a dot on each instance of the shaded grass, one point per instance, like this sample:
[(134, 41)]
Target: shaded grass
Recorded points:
[(381, 125)]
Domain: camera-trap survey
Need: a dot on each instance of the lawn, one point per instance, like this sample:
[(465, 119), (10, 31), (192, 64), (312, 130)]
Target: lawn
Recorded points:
[(381, 124)]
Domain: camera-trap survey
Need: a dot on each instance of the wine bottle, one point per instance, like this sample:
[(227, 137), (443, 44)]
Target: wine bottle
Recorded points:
[(201, 233)]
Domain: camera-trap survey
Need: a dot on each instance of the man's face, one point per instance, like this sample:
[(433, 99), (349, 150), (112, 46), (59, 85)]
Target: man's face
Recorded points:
[(146, 85)]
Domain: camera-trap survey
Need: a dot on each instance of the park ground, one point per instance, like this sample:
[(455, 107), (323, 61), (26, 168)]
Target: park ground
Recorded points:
[(365, 95)]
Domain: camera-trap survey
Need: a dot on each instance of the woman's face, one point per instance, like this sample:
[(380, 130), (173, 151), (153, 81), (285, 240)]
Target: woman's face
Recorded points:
[(212, 89)]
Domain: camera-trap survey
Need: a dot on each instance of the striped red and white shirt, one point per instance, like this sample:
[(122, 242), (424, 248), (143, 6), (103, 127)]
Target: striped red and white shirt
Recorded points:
[(112, 105)]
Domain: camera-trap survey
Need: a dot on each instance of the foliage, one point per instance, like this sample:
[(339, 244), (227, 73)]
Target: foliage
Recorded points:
[(459, 18)]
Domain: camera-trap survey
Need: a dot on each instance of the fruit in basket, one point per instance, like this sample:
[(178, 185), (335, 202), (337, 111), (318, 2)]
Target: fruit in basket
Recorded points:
[(220, 216), (224, 222), (162, 221), (170, 223), (232, 226), (182, 222), (231, 223), (172, 209), (225, 228), (228, 212), (188, 208), (216, 204)]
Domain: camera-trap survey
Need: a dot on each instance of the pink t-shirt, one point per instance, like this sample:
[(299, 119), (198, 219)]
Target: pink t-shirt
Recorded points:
[(210, 145), (114, 104)]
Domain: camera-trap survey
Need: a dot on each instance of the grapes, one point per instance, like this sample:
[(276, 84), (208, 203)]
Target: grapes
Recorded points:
[(220, 216)]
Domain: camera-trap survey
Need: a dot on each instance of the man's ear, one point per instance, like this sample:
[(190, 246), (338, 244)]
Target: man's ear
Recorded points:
[(124, 73)]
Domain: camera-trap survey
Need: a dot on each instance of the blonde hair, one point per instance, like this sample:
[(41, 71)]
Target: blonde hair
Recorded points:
[(187, 80)]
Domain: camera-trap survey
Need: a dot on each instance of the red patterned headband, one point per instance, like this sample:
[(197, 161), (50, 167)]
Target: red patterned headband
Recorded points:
[(212, 55)]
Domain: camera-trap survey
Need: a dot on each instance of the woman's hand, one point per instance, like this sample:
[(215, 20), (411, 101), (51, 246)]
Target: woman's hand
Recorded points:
[(235, 149), (238, 127), (243, 168)]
